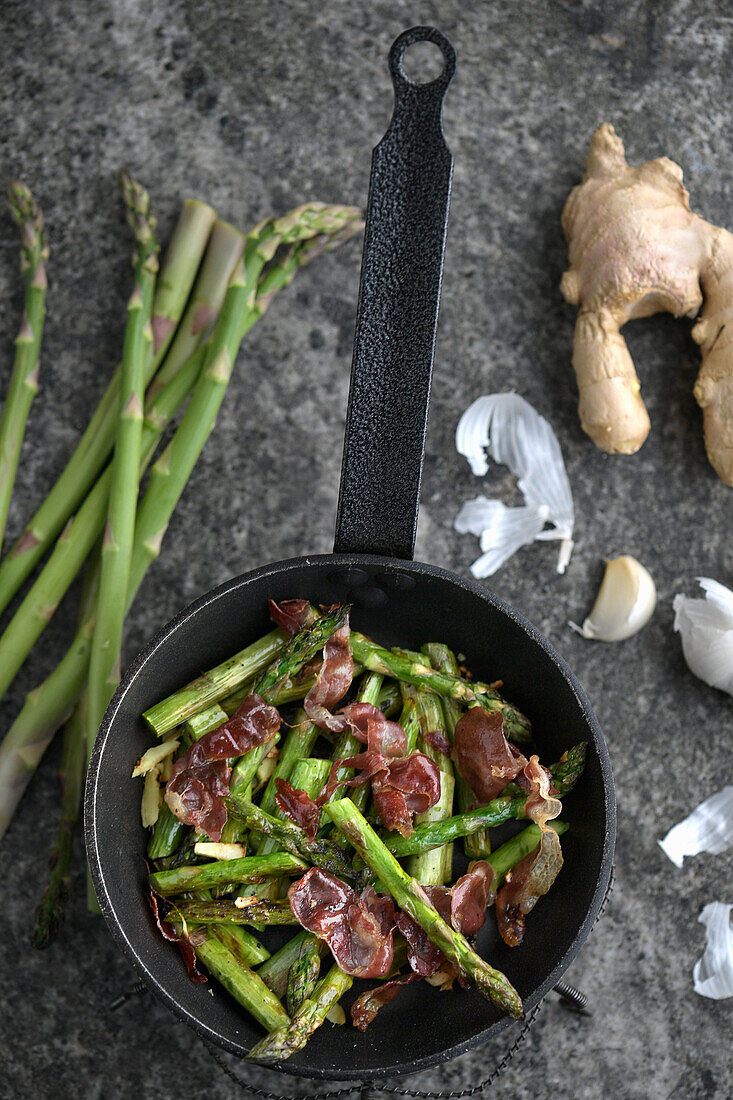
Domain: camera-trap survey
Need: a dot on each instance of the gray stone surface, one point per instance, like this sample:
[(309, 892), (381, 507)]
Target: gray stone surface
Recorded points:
[(255, 108)]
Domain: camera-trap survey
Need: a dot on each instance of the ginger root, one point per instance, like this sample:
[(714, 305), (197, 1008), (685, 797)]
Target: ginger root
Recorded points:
[(635, 249)]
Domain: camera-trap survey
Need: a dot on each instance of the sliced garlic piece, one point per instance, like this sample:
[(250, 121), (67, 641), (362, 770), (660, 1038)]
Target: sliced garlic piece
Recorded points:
[(336, 1014), (150, 804), (220, 851), (624, 604)]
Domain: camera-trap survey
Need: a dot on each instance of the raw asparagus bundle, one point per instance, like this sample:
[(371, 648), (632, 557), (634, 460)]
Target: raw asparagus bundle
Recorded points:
[(344, 847), (48, 705)]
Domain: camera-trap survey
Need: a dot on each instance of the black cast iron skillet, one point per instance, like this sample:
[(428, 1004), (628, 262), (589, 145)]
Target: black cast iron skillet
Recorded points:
[(396, 600)]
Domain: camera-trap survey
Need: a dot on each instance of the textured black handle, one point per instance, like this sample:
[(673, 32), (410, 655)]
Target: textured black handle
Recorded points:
[(399, 293)]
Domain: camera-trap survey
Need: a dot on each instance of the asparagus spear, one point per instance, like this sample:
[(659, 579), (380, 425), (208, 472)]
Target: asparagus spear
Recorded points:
[(223, 911), (409, 895), (245, 947), (196, 225), (45, 710), (476, 845), (508, 805), (246, 869), (93, 449), (285, 1041), (299, 742), (104, 672), (24, 378), (274, 972), (50, 911), (244, 984), (414, 671), (509, 854), (433, 868), (303, 975), (47, 706), (167, 834), (319, 852)]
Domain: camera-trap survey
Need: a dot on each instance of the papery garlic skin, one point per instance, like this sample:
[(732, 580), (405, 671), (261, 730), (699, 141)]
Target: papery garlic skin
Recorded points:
[(515, 434), (712, 974), (706, 628), (709, 828), (625, 602)]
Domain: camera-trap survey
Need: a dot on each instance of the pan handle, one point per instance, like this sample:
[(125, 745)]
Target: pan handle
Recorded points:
[(397, 316)]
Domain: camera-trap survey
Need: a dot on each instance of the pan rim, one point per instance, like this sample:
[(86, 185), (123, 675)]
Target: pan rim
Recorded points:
[(342, 560)]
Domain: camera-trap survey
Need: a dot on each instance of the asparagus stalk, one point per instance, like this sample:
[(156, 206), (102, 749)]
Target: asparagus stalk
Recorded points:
[(24, 378), (167, 834), (223, 253), (416, 672), (508, 805), (196, 225), (303, 975), (182, 880), (476, 845), (274, 972), (433, 868), (244, 984), (45, 710), (409, 895), (223, 911), (285, 1041), (93, 449), (104, 670), (50, 911), (290, 690), (245, 947), (319, 852), (509, 854)]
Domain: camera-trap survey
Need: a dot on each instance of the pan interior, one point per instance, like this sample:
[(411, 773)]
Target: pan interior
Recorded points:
[(394, 602)]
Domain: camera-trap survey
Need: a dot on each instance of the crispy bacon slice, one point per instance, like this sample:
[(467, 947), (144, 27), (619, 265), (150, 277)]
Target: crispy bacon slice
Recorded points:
[(299, 807), (358, 928), (484, 757), (291, 615), (525, 884), (333, 679), (366, 1007), (200, 778), (185, 943)]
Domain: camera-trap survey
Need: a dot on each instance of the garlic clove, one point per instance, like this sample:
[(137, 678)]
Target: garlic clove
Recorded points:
[(624, 604)]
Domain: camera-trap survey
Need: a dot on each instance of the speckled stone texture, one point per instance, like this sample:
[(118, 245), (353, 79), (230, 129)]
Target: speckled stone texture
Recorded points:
[(256, 107)]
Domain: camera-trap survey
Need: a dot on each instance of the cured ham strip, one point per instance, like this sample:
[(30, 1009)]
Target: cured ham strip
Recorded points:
[(200, 778), (484, 757), (358, 928), (299, 807), (525, 885), (333, 679), (291, 615), (366, 1007)]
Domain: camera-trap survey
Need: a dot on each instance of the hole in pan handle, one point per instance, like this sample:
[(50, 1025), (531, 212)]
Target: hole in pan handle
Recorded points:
[(397, 315)]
